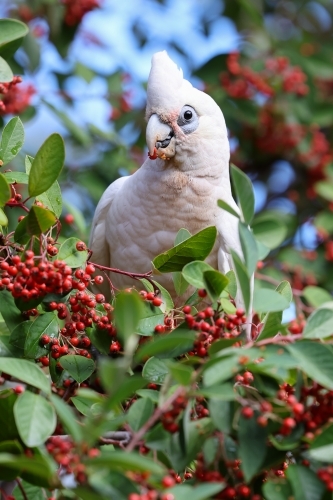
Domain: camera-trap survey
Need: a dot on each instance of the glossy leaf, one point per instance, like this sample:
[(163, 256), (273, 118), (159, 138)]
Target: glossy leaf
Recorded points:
[(10, 313), (35, 418), (140, 411), (127, 314), (5, 192), (167, 346), (193, 273), (69, 254), (197, 247), (3, 218), (12, 33), (316, 360), (214, 282), (118, 460), (47, 165), (305, 483), (155, 370), (79, 367), (243, 279), (249, 247), (277, 490), (52, 199), (6, 74), (180, 373), (316, 296), (319, 324), (67, 417), (150, 317), (251, 437), (8, 429), (269, 230), (266, 300), (45, 324), (12, 139), (36, 222), (244, 192), (225, 206), (25, 371), (204, 491)]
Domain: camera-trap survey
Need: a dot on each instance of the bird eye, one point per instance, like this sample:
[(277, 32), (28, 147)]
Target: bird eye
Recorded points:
[(188, 119), (188, 115)]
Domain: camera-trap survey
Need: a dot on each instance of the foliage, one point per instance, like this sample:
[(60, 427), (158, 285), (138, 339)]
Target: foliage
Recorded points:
[(136, 399)]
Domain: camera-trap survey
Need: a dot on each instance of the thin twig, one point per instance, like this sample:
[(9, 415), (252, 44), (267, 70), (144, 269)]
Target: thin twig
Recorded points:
[(153, 419), (21, 489)]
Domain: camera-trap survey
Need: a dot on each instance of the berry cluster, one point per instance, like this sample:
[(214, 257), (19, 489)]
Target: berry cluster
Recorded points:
[(14, 100), (169, 418), (212, 326), (76, 9), (64, 452)]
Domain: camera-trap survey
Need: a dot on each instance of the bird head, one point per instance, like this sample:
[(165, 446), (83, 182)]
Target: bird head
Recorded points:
[(184, 123)]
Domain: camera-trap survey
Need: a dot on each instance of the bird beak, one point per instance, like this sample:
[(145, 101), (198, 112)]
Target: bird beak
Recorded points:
[(158, 137)]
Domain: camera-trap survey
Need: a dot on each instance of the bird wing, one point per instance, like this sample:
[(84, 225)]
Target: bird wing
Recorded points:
[(98, 243)]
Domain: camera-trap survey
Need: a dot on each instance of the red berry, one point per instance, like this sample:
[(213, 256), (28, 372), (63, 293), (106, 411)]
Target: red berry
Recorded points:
[(168, 481), (81, 246), (99, 298), (157, 301), (186, 309), (98, 280), (202, 293), (45, 339), (69, 219), (248, 378), (18, 389), (247, 412)]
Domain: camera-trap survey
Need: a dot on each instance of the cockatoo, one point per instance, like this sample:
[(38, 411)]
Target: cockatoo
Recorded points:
[(139, 216)]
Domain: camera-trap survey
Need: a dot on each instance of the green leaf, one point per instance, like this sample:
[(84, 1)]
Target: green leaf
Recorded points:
[(272, 325), (244, 192), (316, 296), (12, 139), (285, 290), (38, 221), (151, 316), (167, 346), (155, 370), (194, 433), (47, 165), (200, 492), (3, 218), (8, 429), (197, 247), (316, 360), (69, 254), (35, 418), (222, 204), (44, 324), (67, 418), (5, 192), (180, 373), (79, 367), (304, 482), (31, 492), (182, 235), (10, 313), (13, 447), (231, 287), (139, 413), (251, 437), (221, 370), (325, 189), (123, 389), (266, 300), (180, 283), (243, 279), (118, 460), (319, 324), (276, 490), (249, 247), (6, 74), (19, 177), (127, 313), (25, 371), (269, 230), (52, 199), (12, 33), (215, 282), (39, 469), (221, 413), (193, 273)]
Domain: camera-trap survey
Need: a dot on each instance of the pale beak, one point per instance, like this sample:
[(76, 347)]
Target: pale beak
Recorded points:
[(158, 137)]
